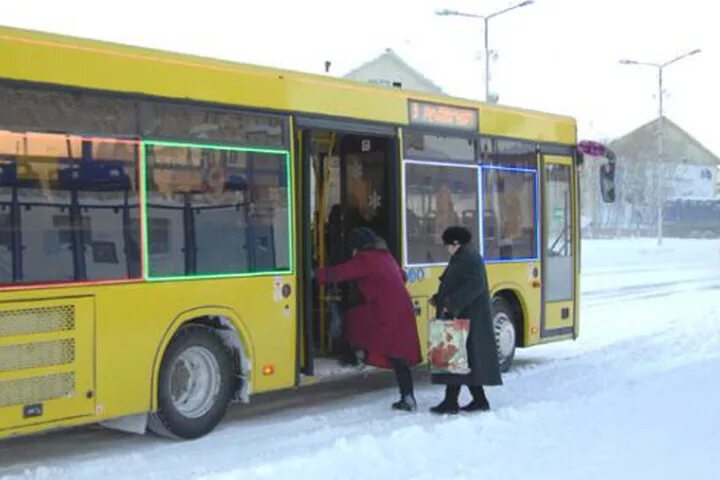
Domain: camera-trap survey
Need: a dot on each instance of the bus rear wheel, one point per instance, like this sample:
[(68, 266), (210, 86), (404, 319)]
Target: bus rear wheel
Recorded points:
[(505, 332), (195, 384)]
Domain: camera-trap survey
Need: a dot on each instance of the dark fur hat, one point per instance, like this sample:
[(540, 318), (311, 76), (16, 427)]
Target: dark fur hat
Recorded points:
[(460, 235)]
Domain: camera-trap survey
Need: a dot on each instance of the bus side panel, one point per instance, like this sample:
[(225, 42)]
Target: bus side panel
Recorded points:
[(514, 276), (131, 321), (257, 302), (47, 361)]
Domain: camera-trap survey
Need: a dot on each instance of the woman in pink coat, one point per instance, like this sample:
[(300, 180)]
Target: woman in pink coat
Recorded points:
[(383, 324)]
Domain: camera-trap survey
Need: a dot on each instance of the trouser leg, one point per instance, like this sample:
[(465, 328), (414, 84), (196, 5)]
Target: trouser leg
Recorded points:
[(452, 392), (403, 376), (478, 393)]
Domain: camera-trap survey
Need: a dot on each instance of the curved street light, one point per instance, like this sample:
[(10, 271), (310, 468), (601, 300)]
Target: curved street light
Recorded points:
[(486, 19), (660, 141)]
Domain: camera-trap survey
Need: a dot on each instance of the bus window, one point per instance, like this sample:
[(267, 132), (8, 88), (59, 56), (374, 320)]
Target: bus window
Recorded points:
[(509, 213), (30, 109), (197, 123), (215, 210), (69, 207), (558, 249), (508, 153), (437, 197), (558, 205), (421, 146)]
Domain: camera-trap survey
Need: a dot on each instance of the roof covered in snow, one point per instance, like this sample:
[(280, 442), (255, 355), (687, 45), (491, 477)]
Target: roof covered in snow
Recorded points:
[(679, 146), (391, 70)]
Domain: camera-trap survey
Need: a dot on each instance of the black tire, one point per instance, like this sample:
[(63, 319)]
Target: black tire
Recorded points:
[(173, 417), (506, 328)]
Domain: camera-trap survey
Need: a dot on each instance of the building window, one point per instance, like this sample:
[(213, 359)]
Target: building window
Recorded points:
[(381, 81), (69, 208), (216, 210), (437, 197)]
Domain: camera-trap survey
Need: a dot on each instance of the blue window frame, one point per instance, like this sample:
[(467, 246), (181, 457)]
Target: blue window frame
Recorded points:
[(509, 220)]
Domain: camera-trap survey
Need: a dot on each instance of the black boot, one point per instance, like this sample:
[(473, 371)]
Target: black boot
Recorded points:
[(348, 359), (479, 402), (347, 356), (444, 408), (449, 406), (406, 403)]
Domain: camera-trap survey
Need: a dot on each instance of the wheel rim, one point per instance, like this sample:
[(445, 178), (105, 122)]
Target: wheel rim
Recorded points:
[(194, 382), (504, 335)]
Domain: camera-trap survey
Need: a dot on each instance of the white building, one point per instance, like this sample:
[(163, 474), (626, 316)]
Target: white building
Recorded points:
[(390, 70)]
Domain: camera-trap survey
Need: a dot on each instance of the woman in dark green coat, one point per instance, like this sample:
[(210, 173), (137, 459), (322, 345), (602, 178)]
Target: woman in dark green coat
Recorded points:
[(464, 293)]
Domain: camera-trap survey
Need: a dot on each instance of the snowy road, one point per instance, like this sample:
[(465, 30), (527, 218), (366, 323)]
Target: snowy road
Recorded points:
[(637, 396)]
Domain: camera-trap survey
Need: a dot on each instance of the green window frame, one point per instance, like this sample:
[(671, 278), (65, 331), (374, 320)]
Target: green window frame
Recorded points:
[(215, 151)]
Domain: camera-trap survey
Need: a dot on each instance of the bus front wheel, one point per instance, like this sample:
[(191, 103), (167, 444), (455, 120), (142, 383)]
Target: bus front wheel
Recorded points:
[(195, 384), (505, 332)]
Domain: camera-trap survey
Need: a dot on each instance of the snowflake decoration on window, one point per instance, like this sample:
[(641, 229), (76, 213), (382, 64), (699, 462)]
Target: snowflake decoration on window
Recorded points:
[(355, 171)]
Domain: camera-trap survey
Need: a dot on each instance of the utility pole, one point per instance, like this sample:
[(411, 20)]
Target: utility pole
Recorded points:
[(660, 185), (486, 20)]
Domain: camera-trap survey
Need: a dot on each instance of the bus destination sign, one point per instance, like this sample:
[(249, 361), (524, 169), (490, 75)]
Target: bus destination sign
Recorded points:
[(437, 115)]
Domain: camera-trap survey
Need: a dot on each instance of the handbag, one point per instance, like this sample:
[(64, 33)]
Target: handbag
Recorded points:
[(447, 346)]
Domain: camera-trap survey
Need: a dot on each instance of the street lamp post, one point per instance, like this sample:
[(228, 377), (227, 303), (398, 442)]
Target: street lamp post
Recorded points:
[(660, 191), (486, 20)]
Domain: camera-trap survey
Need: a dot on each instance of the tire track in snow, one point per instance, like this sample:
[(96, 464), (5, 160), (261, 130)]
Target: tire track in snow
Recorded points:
[(639, 292)]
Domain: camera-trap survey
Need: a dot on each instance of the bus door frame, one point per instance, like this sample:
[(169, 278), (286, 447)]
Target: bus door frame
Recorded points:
[(554, 311), (303, 127)]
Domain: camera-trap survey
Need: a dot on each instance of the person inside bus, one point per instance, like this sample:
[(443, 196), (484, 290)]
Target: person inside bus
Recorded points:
[(464, 293), (384, 324)]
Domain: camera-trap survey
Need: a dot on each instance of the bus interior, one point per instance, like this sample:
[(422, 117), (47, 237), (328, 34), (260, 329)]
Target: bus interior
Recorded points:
[(353, 183)]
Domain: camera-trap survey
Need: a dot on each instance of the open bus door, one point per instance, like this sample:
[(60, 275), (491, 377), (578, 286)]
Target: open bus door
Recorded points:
[(348, 178), (561, 234), (559, 246)]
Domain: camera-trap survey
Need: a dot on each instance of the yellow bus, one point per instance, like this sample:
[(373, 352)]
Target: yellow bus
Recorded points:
[(160, 215)]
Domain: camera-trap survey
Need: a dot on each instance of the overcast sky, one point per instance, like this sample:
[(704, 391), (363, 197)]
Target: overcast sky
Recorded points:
[(555, 55)]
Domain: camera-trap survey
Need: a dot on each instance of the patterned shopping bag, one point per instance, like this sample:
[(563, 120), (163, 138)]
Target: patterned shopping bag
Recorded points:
[(447, 346)]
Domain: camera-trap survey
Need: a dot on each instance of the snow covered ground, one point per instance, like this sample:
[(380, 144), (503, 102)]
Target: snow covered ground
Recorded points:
[(637, 396)]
